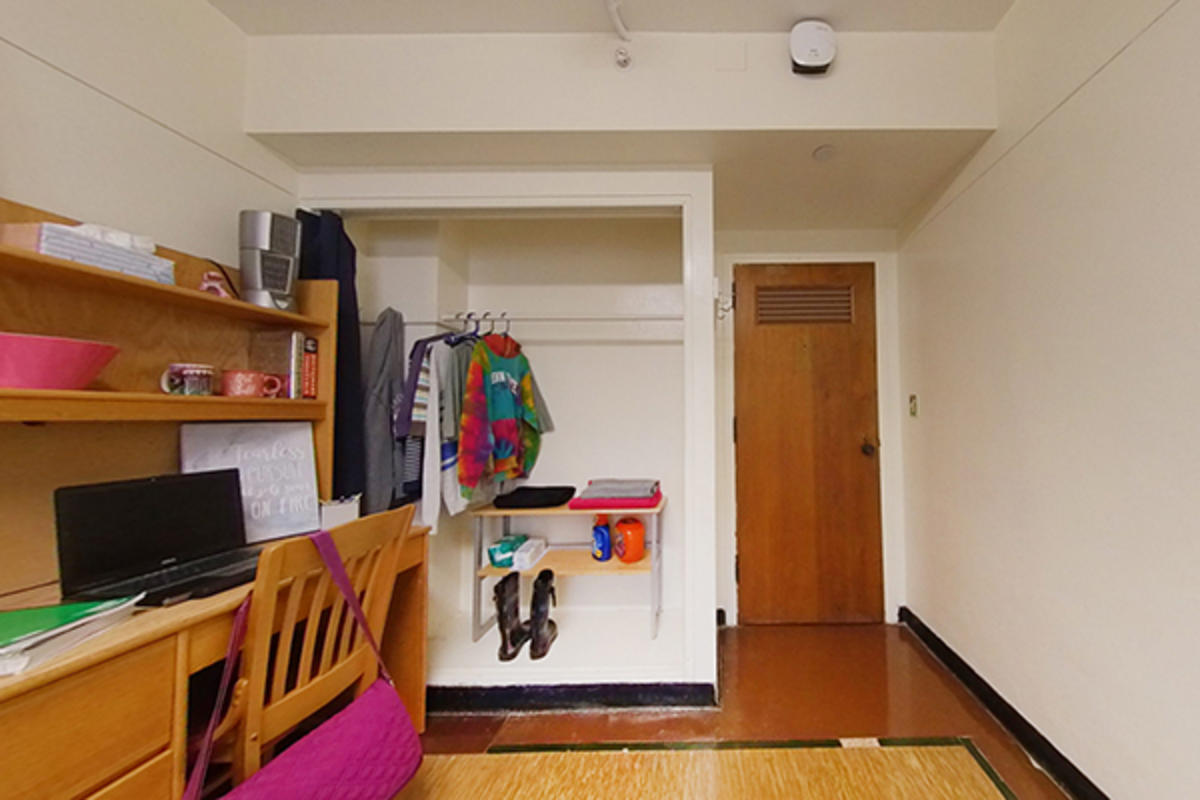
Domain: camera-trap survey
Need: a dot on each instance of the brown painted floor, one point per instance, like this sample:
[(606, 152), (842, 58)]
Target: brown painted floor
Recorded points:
[(785, 682)]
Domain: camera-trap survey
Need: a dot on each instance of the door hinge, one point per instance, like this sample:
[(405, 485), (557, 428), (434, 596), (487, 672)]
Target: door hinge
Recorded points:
[(737, 569), (735, 430), (733, 297)]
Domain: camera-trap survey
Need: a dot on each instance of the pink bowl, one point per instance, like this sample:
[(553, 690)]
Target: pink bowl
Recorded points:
[(50, 362)]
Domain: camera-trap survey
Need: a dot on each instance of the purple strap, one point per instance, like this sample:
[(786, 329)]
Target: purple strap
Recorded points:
[(196, 782), (333, 562)]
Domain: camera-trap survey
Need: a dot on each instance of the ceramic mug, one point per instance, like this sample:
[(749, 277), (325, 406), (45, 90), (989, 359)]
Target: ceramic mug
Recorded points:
[(250, 383), (190, 379)]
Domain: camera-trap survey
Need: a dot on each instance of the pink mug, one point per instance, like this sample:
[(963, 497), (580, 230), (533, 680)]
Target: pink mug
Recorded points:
[(249, 383)]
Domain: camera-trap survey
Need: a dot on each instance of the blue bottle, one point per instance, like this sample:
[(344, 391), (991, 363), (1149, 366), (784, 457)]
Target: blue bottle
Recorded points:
[(601, 539)]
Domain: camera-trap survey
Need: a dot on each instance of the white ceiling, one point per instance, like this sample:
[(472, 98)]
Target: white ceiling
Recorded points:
[(589, 16), (764, 180)]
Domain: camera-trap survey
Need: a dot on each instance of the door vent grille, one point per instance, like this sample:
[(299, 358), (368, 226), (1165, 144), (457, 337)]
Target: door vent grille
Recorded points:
[(775, 305)]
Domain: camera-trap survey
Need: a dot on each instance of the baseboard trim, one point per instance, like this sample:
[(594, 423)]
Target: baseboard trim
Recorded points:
[(568, 696), (1057, 765)]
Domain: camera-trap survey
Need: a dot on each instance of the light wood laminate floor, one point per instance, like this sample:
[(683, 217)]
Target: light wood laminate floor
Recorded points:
[(895, 773)]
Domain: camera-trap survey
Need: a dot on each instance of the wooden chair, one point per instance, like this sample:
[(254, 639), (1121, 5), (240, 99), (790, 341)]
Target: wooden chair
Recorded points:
[(303, 647)]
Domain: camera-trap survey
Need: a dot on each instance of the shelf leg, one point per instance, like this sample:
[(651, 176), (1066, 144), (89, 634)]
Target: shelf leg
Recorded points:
[(479, 626), (655, 574)]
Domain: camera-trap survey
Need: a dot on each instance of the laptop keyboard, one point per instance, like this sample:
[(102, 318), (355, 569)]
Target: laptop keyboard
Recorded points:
[(194, 579)]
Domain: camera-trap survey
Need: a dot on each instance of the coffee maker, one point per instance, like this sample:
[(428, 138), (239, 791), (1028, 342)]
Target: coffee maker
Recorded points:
[(269, 258)]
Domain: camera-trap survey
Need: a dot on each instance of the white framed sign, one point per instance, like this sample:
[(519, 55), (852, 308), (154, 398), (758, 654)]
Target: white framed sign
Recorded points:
[(277, 467)]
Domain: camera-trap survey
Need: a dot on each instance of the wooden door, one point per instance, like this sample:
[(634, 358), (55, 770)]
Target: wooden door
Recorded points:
[(808, 528)]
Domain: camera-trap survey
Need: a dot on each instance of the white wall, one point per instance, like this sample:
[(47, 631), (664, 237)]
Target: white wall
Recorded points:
[(815, 246), (1049, 317), (129, 113), (560, 82)]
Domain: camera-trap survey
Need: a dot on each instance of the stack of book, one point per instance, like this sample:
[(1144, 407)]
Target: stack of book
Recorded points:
[(33, 635), (619, 493), (291, 356)]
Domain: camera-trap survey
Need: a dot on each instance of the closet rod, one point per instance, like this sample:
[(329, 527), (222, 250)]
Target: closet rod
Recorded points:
[(451, 322), (573, 318)]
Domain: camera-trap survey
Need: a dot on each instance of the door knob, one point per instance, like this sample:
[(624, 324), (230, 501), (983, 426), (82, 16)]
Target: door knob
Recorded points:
[(868, 449)]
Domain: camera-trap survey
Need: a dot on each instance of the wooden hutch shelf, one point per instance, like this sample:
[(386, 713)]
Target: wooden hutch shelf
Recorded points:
[(122, 426), (63, 273), (41, 405)]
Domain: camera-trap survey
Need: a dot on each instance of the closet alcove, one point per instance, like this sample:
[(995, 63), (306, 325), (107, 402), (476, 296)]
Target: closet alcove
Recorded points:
[(596, 298)]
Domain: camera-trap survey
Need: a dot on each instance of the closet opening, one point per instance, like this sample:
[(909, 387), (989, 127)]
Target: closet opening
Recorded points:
[(595, 300)]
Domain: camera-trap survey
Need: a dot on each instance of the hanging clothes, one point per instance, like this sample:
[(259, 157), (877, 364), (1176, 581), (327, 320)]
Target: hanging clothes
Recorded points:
[(430, 507), (326, 252), (499, 431), (408, 421), (450, 372), (385, 382)]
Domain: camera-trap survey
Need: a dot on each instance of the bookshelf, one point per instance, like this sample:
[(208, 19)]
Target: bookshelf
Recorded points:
[(122, 426)]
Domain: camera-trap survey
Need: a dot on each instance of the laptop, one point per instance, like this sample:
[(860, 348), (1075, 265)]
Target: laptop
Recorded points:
[(173, 537)]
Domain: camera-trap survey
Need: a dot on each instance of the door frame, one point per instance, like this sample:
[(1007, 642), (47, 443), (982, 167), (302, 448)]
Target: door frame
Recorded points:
[(892, 405), (686, 193)]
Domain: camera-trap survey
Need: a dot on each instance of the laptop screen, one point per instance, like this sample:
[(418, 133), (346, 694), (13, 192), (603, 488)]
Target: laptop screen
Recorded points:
[(109, 532)]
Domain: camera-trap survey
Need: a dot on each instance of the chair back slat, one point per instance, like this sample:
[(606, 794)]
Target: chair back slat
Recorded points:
[(350, 630), (287, 631), (312, 626), (336, 621)]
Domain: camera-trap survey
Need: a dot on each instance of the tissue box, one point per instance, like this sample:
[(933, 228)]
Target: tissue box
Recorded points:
[(63, 241), (529, 554), (501, 553)]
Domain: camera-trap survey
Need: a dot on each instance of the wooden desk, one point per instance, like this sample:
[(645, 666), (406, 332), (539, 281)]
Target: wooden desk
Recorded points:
[(108, 719)]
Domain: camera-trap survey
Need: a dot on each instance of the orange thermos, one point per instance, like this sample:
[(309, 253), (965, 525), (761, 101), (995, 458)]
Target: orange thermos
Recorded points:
[(629, 540)]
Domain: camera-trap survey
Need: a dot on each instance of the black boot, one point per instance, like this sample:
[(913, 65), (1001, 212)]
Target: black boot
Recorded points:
[(513, 632), (542, 629)]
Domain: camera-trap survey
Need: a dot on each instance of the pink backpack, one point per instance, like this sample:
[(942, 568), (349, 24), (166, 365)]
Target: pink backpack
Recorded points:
[(367, 751)]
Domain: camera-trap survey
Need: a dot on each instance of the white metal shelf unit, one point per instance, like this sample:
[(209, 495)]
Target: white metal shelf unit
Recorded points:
[(573, 566)]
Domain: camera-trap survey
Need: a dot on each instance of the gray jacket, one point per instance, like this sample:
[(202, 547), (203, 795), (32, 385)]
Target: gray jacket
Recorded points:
[(385, 380)]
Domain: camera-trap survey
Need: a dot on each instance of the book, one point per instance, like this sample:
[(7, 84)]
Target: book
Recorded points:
[(280, 353), (309, 372), (31, 636)]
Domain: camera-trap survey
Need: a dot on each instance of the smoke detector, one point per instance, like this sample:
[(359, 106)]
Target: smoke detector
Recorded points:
[(813, 46)]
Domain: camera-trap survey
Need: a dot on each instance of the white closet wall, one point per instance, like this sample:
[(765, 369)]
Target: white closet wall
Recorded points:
[(615, 390)]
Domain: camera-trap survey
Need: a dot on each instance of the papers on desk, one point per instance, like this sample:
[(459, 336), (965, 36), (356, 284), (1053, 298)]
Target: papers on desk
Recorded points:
[(33, 635)]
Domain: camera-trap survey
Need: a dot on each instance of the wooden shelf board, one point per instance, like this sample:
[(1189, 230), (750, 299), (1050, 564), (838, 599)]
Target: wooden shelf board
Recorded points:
[(45, 405), (574, 561), (25, 263), (554, 511)]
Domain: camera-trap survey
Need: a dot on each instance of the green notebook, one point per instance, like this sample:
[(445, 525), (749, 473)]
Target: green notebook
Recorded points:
[(29, 623)]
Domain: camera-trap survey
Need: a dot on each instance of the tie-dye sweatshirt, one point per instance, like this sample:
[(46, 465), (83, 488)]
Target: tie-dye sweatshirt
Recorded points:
[(499, 429)]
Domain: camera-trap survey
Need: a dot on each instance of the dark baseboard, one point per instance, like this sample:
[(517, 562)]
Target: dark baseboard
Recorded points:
[(1038, 746), (568, 696)]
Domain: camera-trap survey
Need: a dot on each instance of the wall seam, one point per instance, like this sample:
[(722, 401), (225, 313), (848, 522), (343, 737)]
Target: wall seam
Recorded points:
[(146, 116), (1041, 121)]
